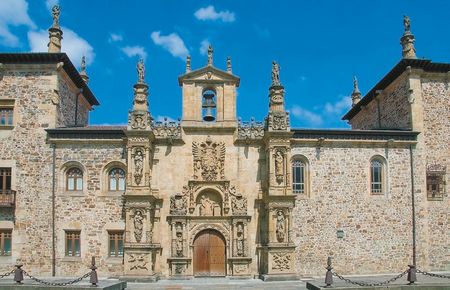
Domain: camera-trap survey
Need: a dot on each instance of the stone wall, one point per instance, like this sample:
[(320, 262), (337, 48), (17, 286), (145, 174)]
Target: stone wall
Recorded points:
[(73, 109), (389, 110)]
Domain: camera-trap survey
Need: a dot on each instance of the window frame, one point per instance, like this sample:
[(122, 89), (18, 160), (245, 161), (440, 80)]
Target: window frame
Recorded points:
[(306, 182), (75, 179), (382, 181), (5, 172), (72, 236), (116, 236), (117, 179), (5, 234), (435, 175)]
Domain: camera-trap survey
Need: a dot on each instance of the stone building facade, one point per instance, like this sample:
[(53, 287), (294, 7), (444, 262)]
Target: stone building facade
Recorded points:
[(212, 196)]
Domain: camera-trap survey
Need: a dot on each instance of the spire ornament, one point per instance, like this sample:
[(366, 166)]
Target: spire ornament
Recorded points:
[(188, 63), (140, 67), (55, 33), (275, 74), (356, 94), (210, 55), (228, 65), (56, 11), (407, 40), (83, 73), (139, 117)]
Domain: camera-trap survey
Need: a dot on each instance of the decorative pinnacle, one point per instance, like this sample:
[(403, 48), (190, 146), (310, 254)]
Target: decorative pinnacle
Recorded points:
[(188, 63), (356, 94), (83, 73), (56, 10), (275, 74), (210, 55), (407, 40), (141, 71), (228, 64)]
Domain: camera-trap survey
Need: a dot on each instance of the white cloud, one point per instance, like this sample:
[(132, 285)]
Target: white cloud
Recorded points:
[(115, 37), (72, 44), (136, 50), (210, 13), (306, 116), (204, 46), (172, 43), (13, 13), (339, 107), (51, 3)]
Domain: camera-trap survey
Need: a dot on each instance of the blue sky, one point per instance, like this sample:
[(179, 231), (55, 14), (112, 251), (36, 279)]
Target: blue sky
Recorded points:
[(319, 45)]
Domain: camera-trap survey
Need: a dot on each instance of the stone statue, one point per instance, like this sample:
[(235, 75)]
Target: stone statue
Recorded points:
[(275, 74), (240, 240), (229, 64), (83, 64), (138, 225), (279, 164), (206, 206), (210, 55), (179, 245), (406, 23), (55, 13), (138, 165), (141, 71), (280, 227), (188, 63)]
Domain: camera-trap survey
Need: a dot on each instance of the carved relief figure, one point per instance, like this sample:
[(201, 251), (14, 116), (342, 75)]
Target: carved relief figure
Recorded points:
[(280, 226), (137, 262), (138, 122), (239, 204), (206, 206), (138, 165), (138, 225), (179, 244), (240, 240), (279, 166), (209, 158), (178, 204)]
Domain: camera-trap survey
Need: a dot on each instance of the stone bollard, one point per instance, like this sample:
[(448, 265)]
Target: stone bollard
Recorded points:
[(329, 274), (412, 274), (18, 274), (94, 278)]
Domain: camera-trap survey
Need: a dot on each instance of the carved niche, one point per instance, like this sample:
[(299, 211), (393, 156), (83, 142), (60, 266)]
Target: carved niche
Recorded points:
[(280, 226), (138, 156), (240, 239), (138, 222), (209, 160), (278, 157), (209, 204)]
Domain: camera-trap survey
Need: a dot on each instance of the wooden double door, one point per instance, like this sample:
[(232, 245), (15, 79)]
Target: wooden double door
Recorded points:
[(209, 254)]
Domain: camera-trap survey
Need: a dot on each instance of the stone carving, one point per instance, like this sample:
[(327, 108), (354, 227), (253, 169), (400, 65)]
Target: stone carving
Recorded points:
[(137, 261), (188, 63), (407, 40), (138, 120), (436, 167), (208, 207), (179, 269), (406, 23), (56, 11), (251, 130), (171, 130), (138, 164), (280, 226), (238, 203), (179, 244), (209, 159), (279, 166), (228, 64), (240, 239), (138, 221), (178, 204), (275, 74), (240, 268), (278, 120), (281, 261), (140, 67), (210, 55)]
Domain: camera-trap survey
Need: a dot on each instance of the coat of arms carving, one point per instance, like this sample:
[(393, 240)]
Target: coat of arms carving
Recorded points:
[(209, 159)]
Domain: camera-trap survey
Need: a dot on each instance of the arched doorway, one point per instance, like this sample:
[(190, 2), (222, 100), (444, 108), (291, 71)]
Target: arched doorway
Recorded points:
[(209, 254)]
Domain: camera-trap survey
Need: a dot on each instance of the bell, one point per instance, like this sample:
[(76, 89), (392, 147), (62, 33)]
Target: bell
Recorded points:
[(208, 105)]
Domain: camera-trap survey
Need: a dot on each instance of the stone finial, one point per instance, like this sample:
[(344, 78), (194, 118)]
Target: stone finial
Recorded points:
[(356, 94), (210, 55), (407, 40), (188, 63), (83, 73), (141, 71), (275, 74), (229, 64), (55, 33)]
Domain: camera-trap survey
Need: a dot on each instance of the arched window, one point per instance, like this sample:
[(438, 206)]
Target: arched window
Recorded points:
[(116, 179), (376, 176), (74, 179), (299, 176)]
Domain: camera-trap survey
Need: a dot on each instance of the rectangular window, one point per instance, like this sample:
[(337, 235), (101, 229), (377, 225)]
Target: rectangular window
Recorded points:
[(298, 177), (5, 242), (6, 116), (73, 243), (5, 179), (115, 244), (435, 186)]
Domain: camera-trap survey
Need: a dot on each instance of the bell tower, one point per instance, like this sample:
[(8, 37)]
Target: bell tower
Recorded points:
[(209, 95)]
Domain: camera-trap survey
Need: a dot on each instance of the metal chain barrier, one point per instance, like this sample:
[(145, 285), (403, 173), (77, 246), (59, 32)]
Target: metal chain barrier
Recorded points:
[(56, 283), (433, 274), (362, 283), (7, 274)]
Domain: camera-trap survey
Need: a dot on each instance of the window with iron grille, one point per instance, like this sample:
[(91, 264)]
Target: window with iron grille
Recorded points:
[(115, 244), (5, 242), (73, 248), (6, 116), (376, 177), (298, 176), (435, 181)]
